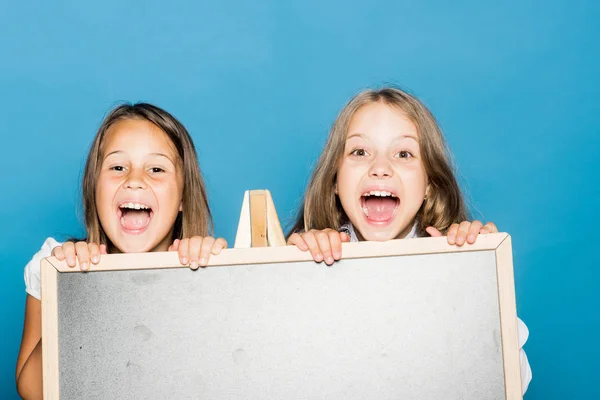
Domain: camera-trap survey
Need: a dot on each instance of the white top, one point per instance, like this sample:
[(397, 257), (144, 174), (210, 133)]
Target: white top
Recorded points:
[(522, 330), (32, 286), (32, 269)]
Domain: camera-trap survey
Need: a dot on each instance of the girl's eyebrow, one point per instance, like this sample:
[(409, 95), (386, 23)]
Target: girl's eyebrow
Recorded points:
[(152, 154), (413, 137), (113, 152), (360, 135), (163, 155)]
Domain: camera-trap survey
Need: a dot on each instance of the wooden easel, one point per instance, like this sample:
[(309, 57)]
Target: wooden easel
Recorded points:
[(259, 225)]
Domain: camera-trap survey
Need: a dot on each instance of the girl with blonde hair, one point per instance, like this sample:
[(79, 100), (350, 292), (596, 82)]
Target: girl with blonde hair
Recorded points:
[(385, 173)]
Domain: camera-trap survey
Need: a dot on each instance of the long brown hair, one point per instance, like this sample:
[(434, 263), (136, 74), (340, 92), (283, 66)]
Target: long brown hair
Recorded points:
[(195, 217), (444, 203)]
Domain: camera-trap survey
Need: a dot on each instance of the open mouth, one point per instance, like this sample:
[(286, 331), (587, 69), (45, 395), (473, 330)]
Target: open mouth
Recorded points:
[(134, 217), (379, 206)]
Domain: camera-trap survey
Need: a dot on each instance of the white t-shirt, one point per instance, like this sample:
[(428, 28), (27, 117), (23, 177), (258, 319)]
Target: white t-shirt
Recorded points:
[(32, 269), (32, 286), (522, 330)]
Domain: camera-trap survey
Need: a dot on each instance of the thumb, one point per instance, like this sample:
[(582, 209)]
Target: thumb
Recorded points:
[(433, 232), (103, 249), (174, 246), (345, 237)]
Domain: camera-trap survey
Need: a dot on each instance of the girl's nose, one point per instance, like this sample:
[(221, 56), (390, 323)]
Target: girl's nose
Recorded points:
[(381, 168), (135, 180)]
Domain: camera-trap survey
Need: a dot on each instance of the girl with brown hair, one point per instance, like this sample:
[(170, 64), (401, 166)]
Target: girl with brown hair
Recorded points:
[(142, 191)]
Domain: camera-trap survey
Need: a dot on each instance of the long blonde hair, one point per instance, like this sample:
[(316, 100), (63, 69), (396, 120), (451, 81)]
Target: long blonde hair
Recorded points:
[(195, 217), (444, 203)]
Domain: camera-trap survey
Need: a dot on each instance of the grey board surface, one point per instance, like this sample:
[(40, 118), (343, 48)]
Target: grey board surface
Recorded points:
[(401, 327)]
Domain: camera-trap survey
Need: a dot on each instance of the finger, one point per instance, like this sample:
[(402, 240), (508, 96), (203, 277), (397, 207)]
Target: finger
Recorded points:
[(345, 237), (474, 231), (194, 251), (103, 249), (205, 250), (174, 246), (325, 246), (335, 238), (452, 232), (94, 253), (297, 240), (490, 227), (58, 253), (219, 245), (70, 254), (433, 232), (183, 251), (83, 255), (463, 229), (313, 246)]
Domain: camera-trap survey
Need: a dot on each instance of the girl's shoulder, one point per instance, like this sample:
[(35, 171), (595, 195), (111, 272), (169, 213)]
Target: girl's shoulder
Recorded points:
[(32, 269)]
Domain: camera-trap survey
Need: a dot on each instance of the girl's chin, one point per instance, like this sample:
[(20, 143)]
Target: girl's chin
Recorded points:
[(378, 233), (378, 236), (123, 245), (373, 234), (377, 230)]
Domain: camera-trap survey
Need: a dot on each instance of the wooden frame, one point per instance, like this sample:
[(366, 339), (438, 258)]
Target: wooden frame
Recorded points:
[(500, 243)]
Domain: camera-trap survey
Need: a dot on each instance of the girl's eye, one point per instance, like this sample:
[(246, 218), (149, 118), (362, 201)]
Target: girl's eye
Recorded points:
[(156, 170), (117, 168), (359, 152), (404, 154)]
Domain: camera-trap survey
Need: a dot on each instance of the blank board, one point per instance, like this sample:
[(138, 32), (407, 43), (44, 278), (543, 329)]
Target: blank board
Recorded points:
[(403, 319)]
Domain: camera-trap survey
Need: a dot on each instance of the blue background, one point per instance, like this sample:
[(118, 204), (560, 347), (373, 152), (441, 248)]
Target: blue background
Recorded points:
[(514, 86)]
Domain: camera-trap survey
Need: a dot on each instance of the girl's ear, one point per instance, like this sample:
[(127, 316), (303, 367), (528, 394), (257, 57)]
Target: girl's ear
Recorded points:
[(181, 206), (335, 188)]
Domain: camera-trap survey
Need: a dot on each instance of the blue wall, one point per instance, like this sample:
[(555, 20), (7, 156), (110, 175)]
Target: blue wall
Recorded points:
[(258, 84)]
